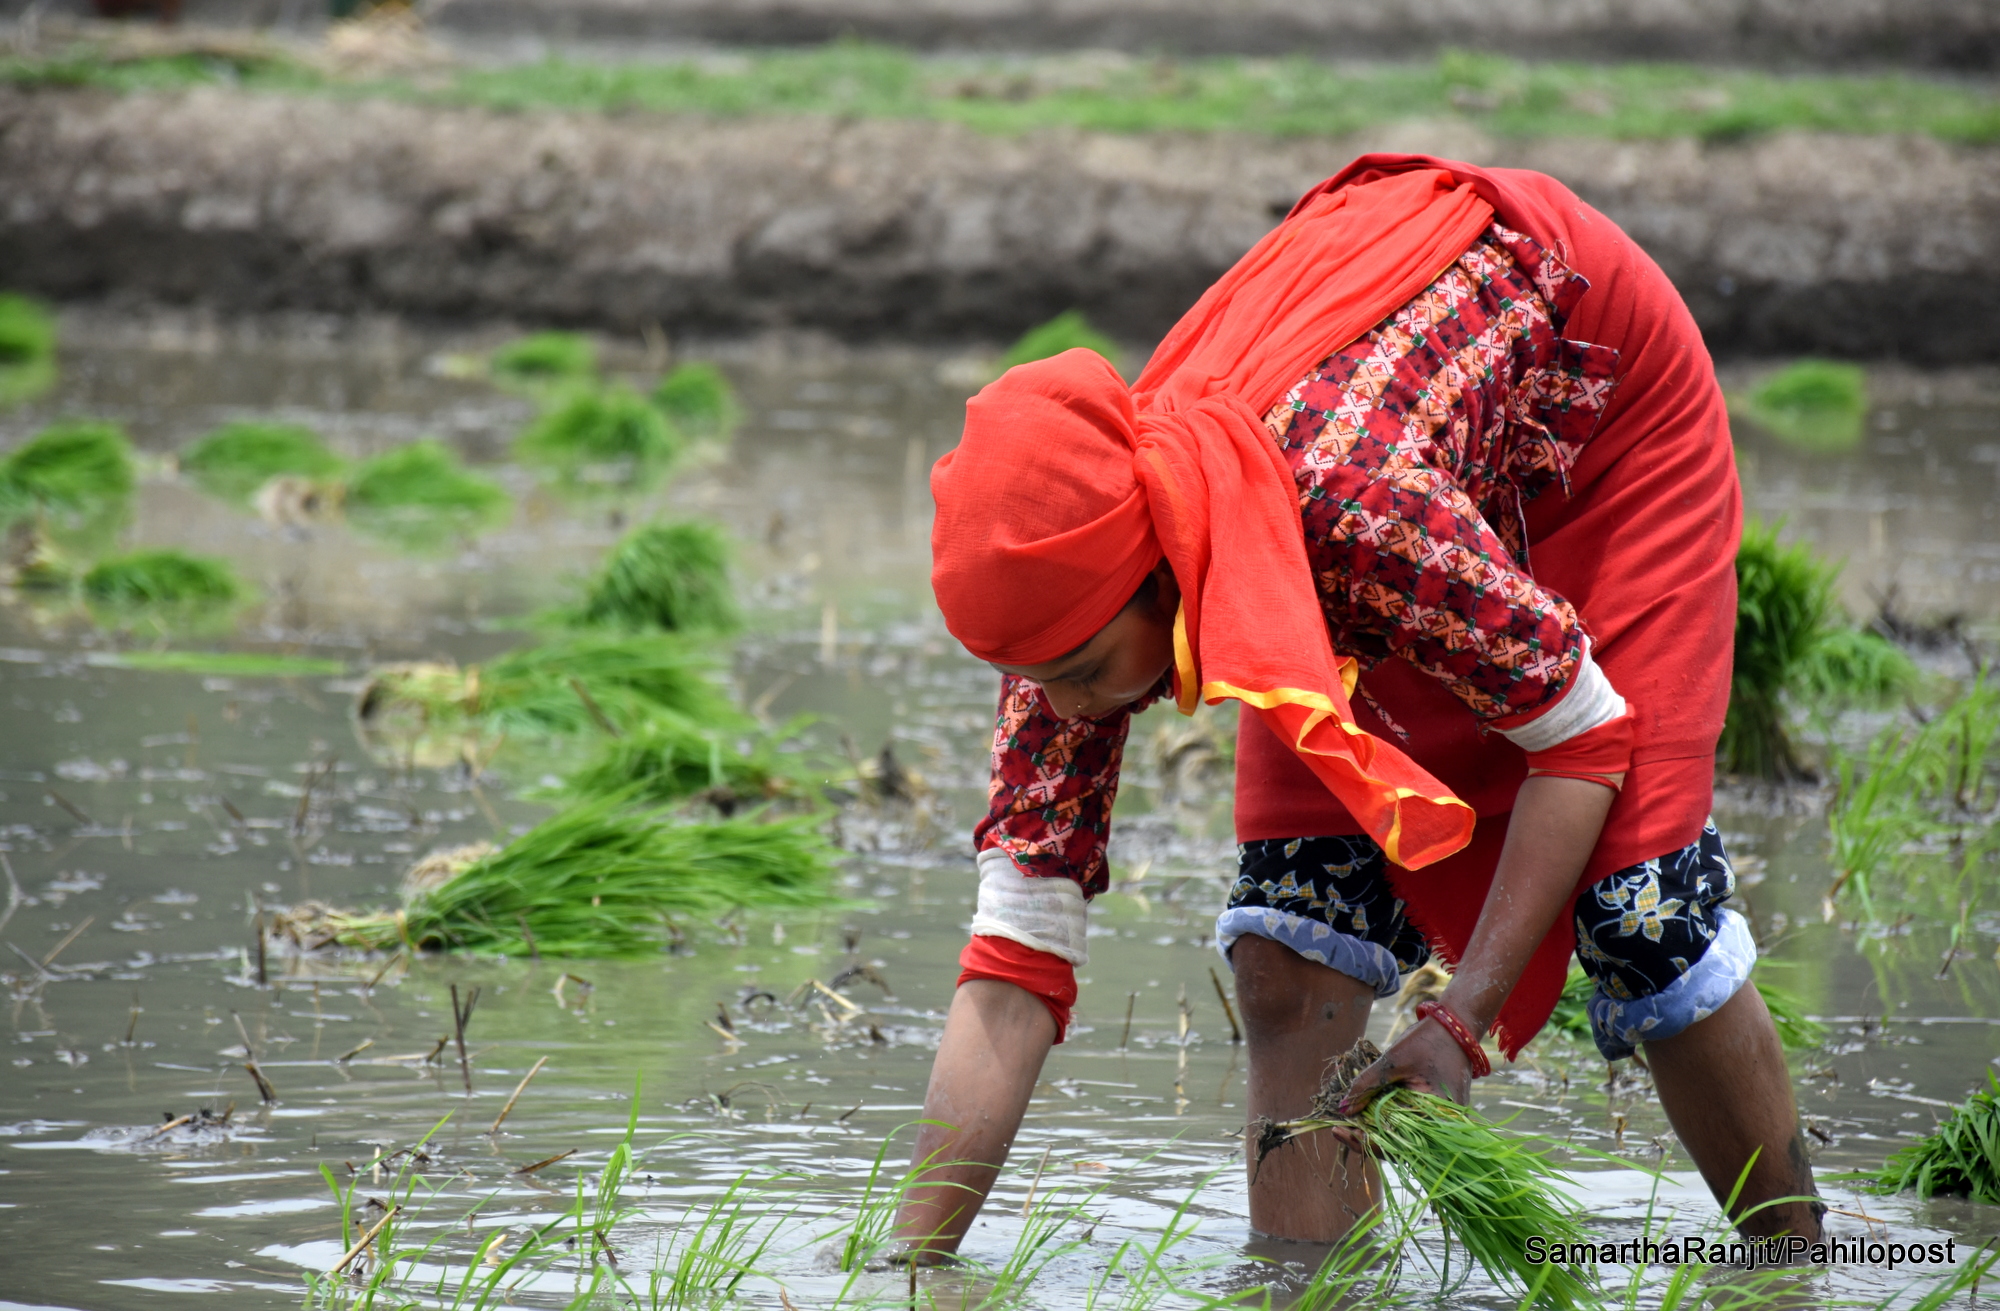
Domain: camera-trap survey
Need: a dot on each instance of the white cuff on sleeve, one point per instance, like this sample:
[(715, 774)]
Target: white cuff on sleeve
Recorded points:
[(1046, 914), (1590, 701)]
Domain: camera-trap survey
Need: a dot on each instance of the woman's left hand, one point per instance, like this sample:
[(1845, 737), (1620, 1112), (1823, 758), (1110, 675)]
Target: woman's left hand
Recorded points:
[(1426, 1059)]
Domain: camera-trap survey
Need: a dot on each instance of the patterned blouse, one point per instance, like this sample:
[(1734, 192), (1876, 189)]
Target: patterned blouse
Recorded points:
[(1414, 450)]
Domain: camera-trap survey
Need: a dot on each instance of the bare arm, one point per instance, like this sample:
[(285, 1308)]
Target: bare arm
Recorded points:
[(995, 1039), (1553, 830)]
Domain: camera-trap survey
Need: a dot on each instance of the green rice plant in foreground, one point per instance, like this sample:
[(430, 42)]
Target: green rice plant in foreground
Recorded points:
[(421, 497), (235, 460), (79, 468), (601, 439), (603, 880), (671, 576), (1816, 405), (546, 357), (162, 579), (1790, 643), (1066, 331), (699, 401), (27, 349), (1960, 1158)]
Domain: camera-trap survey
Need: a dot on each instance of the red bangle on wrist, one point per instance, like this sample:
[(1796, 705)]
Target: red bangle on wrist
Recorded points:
[(1460, 1034)]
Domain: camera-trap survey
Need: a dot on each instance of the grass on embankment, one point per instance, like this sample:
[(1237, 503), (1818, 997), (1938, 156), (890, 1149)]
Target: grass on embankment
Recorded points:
[(1112, 93)]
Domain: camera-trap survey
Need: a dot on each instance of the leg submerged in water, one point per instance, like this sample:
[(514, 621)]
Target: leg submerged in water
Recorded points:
[(1297, 1016)]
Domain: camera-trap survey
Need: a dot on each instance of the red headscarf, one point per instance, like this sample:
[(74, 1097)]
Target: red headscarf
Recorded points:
[(1068, 488)]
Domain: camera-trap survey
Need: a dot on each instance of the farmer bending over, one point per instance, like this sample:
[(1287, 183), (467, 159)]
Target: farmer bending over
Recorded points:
[(1437, 482)]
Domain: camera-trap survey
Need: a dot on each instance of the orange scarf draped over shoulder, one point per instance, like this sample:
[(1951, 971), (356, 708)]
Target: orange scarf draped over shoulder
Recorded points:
[(1068, 488)]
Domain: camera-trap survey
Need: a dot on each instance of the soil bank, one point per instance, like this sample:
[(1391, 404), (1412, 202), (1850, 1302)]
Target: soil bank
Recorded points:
[(1792, 243)]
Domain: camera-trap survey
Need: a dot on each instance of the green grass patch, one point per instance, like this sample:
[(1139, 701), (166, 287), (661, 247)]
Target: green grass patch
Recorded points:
[(230, 664), (603, 439), (1066, 331), (668, 576), (421, 497), (77, 468), (698, 400), (1793, 645), (1960, 1158), (235, 460), (1815, 405), (603, 880), (27, 349), (162, 579), (1295, 97), (545, 357)]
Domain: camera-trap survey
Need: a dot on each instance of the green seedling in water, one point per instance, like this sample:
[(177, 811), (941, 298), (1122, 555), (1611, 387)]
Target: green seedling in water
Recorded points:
[(1816, 405), (79, 471), (699, 401), (229, 664), (601, 439), (421, 497), (1791, 644), (27, 349), (162, 580), (234, 461), (671, 576), (1959, 1158), (602, 879), (667, 759), (543, 358), (1066, 331)]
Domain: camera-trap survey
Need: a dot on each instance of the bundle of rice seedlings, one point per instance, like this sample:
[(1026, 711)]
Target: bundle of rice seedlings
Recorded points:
[(603, 880), (572, 685), (1797, 1030), (698, 400), (234, 461), (1490, 1191), (601, 438), (162, 579), (667, 575), (78, 468), (1814, 404), (1066, 331), (669, 758), (420, 496), (545, 357), (1960, 1158), (27, 349), (1791, 642)]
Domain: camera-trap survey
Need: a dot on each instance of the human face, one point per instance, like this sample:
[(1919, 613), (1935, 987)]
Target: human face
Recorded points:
[(1117, 666)]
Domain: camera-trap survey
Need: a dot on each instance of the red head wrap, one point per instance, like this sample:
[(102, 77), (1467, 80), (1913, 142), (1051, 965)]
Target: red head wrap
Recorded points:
[(1068, 488)]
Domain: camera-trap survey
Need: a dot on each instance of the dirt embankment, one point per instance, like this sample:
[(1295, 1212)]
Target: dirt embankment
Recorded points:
[(1960, 34), (1798, 243)]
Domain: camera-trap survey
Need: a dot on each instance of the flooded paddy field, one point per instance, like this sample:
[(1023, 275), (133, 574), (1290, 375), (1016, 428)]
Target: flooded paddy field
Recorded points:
[(148, 817)]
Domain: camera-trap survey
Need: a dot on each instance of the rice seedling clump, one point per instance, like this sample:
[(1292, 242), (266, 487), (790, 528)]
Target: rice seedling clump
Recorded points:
[(79, 468), (601, 438), (1815, 404), (601, 879), (234, 461), (1066, 331), (1960, 1158), (546, 357), (672, 576), (1790, 642), (163, 578), (698, 400), (420, 496), (668, 759), (27, 349)]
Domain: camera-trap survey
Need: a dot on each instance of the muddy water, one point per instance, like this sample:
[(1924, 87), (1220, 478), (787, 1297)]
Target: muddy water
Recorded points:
[(149, 814)]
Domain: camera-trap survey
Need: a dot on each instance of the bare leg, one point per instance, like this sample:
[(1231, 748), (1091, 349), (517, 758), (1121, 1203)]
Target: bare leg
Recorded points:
[(1298, 1015), (995, 1040), (1726, 1091)]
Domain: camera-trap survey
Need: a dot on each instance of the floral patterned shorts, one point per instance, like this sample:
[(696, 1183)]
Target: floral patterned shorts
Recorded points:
[(1643, 933)]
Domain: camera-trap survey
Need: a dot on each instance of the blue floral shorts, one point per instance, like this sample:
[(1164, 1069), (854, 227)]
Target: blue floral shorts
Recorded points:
[(1656, 938)]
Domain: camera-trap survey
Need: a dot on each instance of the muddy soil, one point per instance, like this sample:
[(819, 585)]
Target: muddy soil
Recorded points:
[(1795, 243), (1955, 34)]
